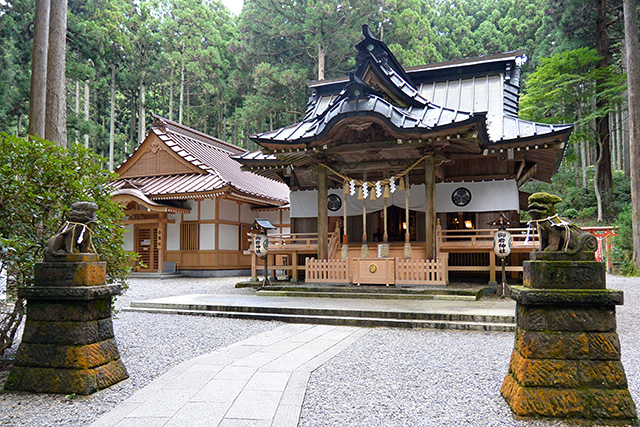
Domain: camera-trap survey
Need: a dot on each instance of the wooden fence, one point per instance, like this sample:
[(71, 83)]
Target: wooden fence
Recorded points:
[(407, 271), (421, 271), (327, 271)]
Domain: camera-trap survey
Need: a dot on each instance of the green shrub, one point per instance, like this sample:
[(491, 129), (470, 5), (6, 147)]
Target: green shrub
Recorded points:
[(570, 213), (588, 212), (38, 183)]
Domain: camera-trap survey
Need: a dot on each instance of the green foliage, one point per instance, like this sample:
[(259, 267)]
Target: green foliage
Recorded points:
[(38, 183), (623, 243), (570, 213)]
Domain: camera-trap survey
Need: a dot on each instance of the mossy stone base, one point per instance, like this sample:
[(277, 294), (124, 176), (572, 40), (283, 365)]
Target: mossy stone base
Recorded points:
[(566, 359), (68, 345), (564, 275)]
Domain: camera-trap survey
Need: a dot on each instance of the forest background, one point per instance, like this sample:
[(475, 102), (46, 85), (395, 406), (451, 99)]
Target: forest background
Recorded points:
[(194, 62)]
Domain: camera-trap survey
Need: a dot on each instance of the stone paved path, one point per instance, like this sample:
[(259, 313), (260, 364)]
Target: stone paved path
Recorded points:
[(260, 381)]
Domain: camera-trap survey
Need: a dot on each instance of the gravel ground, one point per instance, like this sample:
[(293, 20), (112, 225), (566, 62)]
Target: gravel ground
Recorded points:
[(390, 377), (149, 344), (393, 377)]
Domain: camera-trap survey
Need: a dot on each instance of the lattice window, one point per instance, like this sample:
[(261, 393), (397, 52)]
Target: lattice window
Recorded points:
[(189, 236)]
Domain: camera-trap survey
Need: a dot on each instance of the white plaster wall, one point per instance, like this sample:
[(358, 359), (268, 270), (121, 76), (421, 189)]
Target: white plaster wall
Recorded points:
[(173, 233), (286, 230), (273, 216), (128, 238), (207, 237), (228, 210), (285, 217), (229, 237), (193, 215), (208, 209), (246, 214)]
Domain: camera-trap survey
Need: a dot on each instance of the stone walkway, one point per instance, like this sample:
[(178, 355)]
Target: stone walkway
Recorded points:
[(260, 381)]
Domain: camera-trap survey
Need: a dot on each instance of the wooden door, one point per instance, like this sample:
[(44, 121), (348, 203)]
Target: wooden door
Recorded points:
[(146, 239)]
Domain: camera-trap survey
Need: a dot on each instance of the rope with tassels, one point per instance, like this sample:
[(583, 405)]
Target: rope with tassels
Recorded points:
[(382, 182)]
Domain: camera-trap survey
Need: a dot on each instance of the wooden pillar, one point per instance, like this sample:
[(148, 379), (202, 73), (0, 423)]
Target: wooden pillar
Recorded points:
[(162, 241), (430, 206), (323, 214), (294, 266)]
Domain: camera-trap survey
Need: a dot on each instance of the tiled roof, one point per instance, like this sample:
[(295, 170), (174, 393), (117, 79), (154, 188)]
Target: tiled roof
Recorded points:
[(357, 98), (212, 156)]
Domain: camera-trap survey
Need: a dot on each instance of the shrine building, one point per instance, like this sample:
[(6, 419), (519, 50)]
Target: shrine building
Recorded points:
[(188, 204), (407, 166)]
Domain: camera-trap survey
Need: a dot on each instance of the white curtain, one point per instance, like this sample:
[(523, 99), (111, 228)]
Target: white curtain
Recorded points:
[(486, 196)]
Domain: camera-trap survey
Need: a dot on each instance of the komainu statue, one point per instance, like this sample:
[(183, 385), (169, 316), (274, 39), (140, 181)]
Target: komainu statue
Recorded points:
[(76, 235), (557, 234)]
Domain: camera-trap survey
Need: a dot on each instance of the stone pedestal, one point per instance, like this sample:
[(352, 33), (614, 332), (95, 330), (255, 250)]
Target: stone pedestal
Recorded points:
[(68, 345), (566, 359)]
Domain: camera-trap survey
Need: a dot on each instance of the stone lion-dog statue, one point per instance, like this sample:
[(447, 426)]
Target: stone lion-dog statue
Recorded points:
[(76, 235), (557, 234)]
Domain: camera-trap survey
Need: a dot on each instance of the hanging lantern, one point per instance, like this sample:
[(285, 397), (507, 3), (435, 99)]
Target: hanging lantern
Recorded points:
[(387, 192)]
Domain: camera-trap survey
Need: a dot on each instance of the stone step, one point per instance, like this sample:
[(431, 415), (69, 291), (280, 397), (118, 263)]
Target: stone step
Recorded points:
[(376, 295), (499, 326), (474, 291), (407, 313)]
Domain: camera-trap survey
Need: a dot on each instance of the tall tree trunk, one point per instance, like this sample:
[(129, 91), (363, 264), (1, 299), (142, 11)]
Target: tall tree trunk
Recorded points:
[(603, 153), (321, 61), (171, 94), (77, 109), (132, 125), (112, 114), (142, 119), (626, 158), (583, 161), (55, 126), (620, 137), (38, 98), (633, 82), (181, 107), (19, 126), (86, 111)]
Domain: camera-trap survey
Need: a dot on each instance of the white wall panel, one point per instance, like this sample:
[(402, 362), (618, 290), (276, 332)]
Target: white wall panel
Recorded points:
[(207, 237), (229, 237), (246, 214), (193, 215), (128, 238), (208, 209), (173, 236), (228, 210)]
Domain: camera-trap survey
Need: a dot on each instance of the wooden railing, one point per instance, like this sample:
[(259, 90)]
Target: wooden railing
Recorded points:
[(327, 271), (466, 240), (421, 271)]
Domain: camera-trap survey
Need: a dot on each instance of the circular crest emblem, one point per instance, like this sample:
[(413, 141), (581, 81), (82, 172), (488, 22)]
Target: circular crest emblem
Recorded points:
[(373, 268), (334, 202), (461, 196)]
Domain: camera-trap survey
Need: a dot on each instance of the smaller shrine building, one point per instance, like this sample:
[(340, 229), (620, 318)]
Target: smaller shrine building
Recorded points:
[(188, 204)]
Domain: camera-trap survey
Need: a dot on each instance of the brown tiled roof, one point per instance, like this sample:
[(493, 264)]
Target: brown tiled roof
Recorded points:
[(212, 156)]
